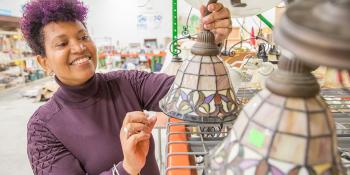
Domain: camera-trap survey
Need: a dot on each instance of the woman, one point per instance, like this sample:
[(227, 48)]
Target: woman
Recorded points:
[(78, 131)]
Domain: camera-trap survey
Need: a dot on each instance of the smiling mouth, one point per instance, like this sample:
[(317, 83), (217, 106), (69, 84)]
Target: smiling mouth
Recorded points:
[(81, 60)]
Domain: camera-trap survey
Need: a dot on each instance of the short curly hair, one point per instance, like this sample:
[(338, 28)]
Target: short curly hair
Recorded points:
[(38, 13)]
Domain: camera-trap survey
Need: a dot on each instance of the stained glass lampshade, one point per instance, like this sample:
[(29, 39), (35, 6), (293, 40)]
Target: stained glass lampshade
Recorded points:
[(328, 21), (286, 129), (240, 8), (202, 91)]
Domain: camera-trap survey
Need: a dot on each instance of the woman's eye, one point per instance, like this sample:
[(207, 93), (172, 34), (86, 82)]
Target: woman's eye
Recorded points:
[(85, 37), (61, 44)]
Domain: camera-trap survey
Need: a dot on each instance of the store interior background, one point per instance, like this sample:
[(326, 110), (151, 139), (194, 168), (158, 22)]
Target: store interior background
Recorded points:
[(120, 33)]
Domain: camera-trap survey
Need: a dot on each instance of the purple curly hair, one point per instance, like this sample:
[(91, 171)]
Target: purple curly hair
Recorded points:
[(38, 13)]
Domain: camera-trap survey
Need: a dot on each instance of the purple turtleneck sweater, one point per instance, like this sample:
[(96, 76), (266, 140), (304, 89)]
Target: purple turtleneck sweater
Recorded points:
[(77, 130)]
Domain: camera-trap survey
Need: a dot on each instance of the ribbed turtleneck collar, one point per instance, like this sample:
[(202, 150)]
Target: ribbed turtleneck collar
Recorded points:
[(79, 95)]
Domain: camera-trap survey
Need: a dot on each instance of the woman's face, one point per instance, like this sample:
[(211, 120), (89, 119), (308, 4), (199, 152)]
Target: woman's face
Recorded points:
[(70, 52)]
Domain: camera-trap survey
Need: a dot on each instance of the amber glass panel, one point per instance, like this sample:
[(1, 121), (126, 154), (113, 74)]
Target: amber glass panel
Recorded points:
[(207, 69), (220, 69), (319, 124), (289, 148), (294, 122), (295, 103), (320, 151), (222, 82), (193, 68), (268, 115), (207, 83), (313, 105), (190, 81)]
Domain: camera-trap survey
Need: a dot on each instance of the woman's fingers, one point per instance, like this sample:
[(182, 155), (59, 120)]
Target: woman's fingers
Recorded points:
[(132, 128), (225, 23), (152, 118), (219, 21), (211, 8), (135, 117), (224, 13), (136, 138), (215, 7), (137, 121)]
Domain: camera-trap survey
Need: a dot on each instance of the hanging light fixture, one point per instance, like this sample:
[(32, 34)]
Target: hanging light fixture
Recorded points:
[(317, 31), (202, 91), (285, 129)]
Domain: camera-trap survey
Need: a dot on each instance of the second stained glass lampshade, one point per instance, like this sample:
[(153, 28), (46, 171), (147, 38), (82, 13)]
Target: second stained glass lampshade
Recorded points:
[(284, 130)]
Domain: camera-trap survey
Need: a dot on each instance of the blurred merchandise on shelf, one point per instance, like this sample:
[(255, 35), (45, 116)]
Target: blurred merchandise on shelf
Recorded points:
[(332, 78), (41, 92), (251, 72), (238, 54), (47, 91), (17, 62), (149, 58)]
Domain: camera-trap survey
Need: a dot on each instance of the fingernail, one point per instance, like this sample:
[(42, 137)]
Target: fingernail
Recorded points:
[(152, 118), (210, 7), (151, 115), (205, 19)]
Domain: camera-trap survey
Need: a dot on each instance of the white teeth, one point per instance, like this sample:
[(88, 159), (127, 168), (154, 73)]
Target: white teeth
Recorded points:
[(80, 61)]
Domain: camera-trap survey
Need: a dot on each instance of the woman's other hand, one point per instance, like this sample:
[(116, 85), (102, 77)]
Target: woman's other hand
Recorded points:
[(134, 137), (218, 21)]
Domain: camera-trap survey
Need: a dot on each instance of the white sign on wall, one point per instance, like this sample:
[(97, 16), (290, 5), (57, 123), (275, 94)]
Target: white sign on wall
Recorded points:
[(148, 19)]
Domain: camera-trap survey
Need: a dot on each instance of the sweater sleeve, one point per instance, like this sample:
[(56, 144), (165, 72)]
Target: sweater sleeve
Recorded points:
[(47, 155), (150, 87)]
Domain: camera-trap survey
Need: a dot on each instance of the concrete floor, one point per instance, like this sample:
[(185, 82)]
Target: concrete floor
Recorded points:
[(15, 112)]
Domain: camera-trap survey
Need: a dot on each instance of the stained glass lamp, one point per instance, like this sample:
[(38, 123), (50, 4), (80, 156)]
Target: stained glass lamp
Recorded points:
[(286, 129), (317, 31), (202, 91)]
